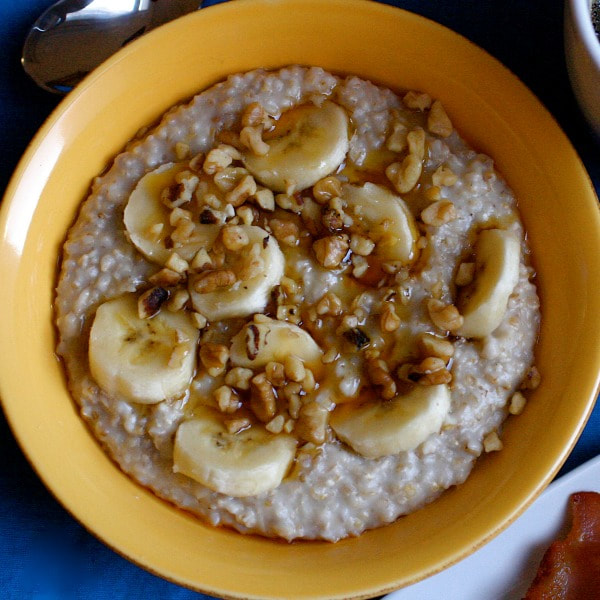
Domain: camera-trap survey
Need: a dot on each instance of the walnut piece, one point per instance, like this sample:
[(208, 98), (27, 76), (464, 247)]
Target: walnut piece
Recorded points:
[(263, 401), (331, 250), (444, 316)]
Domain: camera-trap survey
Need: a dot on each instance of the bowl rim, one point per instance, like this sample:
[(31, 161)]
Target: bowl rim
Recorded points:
[(582, 20), (34, 146)]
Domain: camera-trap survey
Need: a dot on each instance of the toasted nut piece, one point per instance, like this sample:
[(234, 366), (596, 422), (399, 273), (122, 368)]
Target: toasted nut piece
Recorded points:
[(176, 263), (492, 443), (439, 213), (532, 379), (226, 399), (432, 345), (389, 320), (149, 302), (331, 250), (436, 377), (312, 423), (444, 316), (330, 356), (231, 150), (276, 424), (239, 378), (433, 193), (251, 137), (416, 143), (179, 214), (379, 375), (294, 368), (405, 176), (361, 245), (360, 264), (438, 121), (417, 100), (165, 278), (396, 141), (332, 219), (209, 281), (201, 261), (254, 114), (329, 304), (275, 373), (242, 191), (199, 320), (178, 300), (196, 163), (465, 274), (293, 203), (430, 365), (247, 214), (237, 425), (263, 401), (234, 238), (517, 404), (286, 232), (444, 175), (216, 160), (214, 358), (327, 188), (289, 312), (308, 383), (265, 198)]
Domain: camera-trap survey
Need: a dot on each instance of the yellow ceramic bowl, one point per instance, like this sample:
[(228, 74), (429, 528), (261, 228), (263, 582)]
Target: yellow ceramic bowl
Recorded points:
[(493, 110)]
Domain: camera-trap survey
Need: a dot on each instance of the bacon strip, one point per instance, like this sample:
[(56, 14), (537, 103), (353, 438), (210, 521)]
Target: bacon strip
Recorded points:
[(570, 569)]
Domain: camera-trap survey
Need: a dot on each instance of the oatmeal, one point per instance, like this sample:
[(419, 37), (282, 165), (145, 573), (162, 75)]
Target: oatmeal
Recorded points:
[(300, 306)]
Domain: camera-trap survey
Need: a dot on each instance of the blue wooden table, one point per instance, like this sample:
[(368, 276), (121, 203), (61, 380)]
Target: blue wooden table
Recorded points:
[(44, 553)]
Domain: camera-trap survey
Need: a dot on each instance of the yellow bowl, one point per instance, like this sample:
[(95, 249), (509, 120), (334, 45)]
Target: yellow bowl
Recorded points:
[(492, 109)]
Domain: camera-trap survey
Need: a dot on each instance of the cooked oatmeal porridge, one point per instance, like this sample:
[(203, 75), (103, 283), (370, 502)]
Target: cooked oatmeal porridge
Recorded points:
[(300, 306)]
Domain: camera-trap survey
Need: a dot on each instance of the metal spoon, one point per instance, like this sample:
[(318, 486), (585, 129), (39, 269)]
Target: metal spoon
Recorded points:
[(74, 36)]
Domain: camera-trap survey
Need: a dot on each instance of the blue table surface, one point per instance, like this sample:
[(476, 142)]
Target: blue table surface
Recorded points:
[(44, 552)]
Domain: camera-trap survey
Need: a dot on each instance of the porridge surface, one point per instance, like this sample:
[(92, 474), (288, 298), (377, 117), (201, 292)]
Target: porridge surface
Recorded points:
[(331, 491)]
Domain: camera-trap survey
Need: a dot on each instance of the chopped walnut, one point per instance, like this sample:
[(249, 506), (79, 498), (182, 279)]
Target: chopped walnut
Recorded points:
[(396, 141), (242, 191), (227, 400), (199, 320), (265, 198), (327, 188), (251, 137), (361, 245), (234, 238), (417, 100), (379, 374), (216, 160), (517, 404), (276, 424), (247, 214), (416, 143), (179, 298), (291, 202), (433, 193), (209, 281), (438, 121), (465, 274), (286, 232), (438, 377), (214, 358), (439, 213), (360, 264), (444, 316), (201, 261), (294, 368), (176, 263), (312, 423), (432, 345), (289, 313), (444, 176), (149, 302), (263, 401), (308, 382), (236, 425), (329, 304), (239, 378), (389, 320), (332, 219), (275, 373), (331, 355), (492, 443), (196, 163), (165, 278), (229, 178), (331, 250), (405, 175), (532, 379), (254, 115)]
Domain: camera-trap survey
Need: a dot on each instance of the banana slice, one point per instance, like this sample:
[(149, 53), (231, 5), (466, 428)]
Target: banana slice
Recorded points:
[(383, 428), (147, 223), (308, 143), (257, 268), (497, 258), (259, 343), (386, 219), (243, 464), (145, 360)]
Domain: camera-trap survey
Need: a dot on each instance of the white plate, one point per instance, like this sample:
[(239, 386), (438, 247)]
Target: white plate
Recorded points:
[(505, 568)]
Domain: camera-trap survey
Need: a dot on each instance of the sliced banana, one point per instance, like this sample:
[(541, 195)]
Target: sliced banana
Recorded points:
[(497, 258), (308, 143), (147, 222), (243, 464), (257, 268), (379, 429), (386, 219), (144, 360), (260, 343)]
